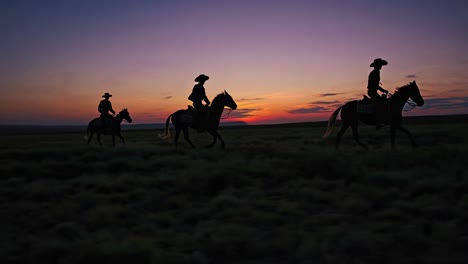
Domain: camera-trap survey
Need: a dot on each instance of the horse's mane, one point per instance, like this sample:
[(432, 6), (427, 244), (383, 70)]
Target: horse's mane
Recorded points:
[(403, 88), (218, 97), (121, 112)]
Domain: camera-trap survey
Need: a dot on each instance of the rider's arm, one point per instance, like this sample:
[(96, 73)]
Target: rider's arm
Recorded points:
[(202, 92), (382, 90), (206, 100), (110, 108)]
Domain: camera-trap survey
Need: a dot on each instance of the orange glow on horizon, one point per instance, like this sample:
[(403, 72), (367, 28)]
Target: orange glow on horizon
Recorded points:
[(271, 109), (280, 62)]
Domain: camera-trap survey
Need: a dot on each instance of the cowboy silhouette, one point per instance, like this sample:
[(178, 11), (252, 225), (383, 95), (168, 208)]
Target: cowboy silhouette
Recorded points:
[(104, 107), (197, 96), (373, 85)]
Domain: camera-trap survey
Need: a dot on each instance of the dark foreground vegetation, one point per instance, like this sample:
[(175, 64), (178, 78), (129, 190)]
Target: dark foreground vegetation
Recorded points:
[(276, 194)]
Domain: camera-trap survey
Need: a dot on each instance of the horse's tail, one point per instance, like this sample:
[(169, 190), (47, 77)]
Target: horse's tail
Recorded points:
[(331, 122), (167, 133)]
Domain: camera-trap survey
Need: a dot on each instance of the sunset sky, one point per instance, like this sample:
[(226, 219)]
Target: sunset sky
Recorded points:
[(282, 61)]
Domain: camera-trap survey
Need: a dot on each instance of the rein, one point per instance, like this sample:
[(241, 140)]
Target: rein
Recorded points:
[(411, 104), (408, 102), (227, 114)]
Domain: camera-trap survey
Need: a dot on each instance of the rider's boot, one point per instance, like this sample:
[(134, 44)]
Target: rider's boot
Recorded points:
[(380, 114)]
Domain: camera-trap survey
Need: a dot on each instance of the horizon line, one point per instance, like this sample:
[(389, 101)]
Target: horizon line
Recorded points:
[(240, 121)]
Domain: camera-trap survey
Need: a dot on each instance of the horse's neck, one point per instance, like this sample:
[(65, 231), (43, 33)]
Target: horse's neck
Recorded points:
[(118, 118), (399, 99), (217, 109)]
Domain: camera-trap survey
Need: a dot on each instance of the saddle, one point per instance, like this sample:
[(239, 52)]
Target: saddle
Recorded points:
[(197, 118), (370, 106), (103, 122), (366, 100), (377, 110), (366, 105)]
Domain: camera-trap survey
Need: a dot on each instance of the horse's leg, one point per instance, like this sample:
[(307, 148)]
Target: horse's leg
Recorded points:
[(221, 139), (356, 135), (215, 137), (392, 136), (90, 137), (413, 143), (344, 126), (186, 137), (122, 138), (99, 138), (177, 133)]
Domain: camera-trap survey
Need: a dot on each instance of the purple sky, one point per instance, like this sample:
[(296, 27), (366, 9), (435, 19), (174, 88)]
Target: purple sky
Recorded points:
[(275, 57)]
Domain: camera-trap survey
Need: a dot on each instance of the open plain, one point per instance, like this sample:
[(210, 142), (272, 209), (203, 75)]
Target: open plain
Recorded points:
[(276, 194)]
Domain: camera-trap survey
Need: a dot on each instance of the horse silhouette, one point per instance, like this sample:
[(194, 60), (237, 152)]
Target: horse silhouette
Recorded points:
[(350, 115), (183, 119), (112, 128)]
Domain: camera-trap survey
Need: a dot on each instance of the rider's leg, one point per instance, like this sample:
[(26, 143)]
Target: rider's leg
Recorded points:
[(377, 107), (198, 115)]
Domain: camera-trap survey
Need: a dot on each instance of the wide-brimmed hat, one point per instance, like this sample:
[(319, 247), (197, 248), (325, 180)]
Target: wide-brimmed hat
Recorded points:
[(107, 95), (378, 61), (201, 78)]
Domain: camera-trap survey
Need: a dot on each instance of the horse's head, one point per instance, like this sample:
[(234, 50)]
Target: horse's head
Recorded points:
[(414, 94), (126, 115), (228, 101)]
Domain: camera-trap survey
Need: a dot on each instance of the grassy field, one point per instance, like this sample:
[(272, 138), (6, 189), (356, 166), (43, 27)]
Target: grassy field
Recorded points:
[(276, 194)]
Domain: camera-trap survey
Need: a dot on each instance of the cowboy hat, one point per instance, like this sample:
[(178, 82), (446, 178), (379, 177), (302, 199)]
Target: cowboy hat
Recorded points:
[(378, 61), (107, 95), (201, 78)]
